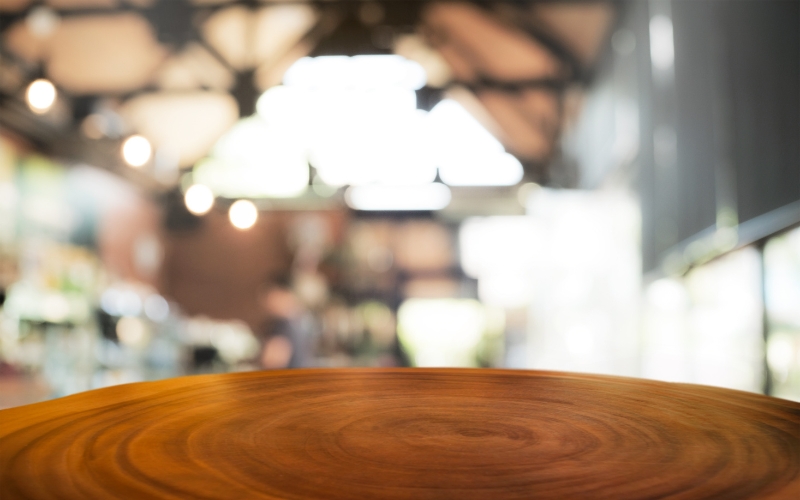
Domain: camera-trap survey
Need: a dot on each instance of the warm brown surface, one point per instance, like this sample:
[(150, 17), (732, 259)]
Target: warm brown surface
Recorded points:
[(388, 434)]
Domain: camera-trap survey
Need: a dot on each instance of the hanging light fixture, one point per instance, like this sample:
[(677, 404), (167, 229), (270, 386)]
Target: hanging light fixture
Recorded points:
[(243, 214), (41, 95), (136, 151), (199, 199)]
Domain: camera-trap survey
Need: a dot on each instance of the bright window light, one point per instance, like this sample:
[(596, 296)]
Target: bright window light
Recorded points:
[(199, 199), (356, 118), (41, 95), (662, 47), (136, 150), (372, 144), (456, 130), (255, 160), (508, 244), (355, 136), (432, 196), (285, 107), (505, 289), (441, 332), (243, 214), (466, 153), (501, 169), (668, 295), (367, 71)]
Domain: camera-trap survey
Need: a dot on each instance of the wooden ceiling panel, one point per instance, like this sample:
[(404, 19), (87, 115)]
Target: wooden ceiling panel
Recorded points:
[(176, 74), (211, 2), (515, 57), (523, 135), (185, 124), (495, 49), (469, 101), (14, 5), (542, 109), (271, 73), (20, 40), (459, 63), (581, 27), (194, 68), (81, 4), (246, 40), (279, 28), (104, 54), (414, 48), (227, 31)]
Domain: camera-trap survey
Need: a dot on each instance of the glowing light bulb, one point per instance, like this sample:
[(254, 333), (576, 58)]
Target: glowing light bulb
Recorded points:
[(136, 150), (41, 95), (243, 214), (199, 199)]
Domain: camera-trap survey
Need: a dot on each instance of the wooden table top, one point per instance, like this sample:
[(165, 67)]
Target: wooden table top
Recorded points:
[(402, 433)]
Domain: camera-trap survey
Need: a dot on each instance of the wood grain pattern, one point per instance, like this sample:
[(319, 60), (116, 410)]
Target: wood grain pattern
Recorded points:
[(402, 433)]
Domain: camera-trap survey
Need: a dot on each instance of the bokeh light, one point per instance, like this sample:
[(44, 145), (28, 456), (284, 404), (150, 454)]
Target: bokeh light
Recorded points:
[(131, 330), (41, 95), (199, 199), (136, 151), (243, 214), (156, 307)]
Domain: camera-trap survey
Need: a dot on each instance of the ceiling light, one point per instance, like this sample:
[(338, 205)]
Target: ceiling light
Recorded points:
[(434, 196), (199, 199), (41, 95), (136, 150), (243, 214)]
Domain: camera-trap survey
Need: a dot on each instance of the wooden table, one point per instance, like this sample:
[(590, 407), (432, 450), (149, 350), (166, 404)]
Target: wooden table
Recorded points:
[(402, 433)]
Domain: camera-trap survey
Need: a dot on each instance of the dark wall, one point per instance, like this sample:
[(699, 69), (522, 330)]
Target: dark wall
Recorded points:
[(764, 62), (733, 102)]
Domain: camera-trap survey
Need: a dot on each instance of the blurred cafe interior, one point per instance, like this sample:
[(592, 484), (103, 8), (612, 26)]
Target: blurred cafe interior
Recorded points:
[(207, 186)]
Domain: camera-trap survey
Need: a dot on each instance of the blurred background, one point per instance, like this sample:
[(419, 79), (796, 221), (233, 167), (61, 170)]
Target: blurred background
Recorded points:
[(205, 186)]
